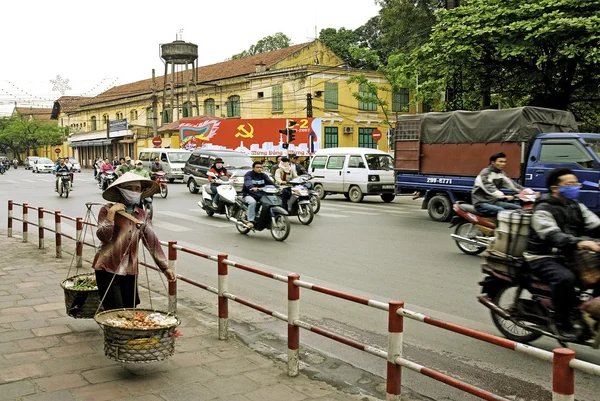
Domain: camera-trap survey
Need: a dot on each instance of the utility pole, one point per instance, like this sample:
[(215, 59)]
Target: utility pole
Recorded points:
[(309, 109), (154, 107)]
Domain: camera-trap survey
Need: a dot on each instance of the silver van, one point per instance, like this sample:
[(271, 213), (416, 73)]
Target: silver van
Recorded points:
[(172, 160), (353, 172)]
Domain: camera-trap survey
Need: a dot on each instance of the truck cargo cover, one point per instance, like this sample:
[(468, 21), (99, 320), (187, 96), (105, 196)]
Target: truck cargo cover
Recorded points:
[(506, 125)]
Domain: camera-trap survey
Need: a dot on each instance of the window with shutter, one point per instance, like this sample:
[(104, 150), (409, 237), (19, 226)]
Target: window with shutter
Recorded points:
[(331, 95)]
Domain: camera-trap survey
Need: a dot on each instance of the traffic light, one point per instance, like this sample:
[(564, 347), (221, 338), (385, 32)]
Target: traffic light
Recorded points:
[(291, 135)]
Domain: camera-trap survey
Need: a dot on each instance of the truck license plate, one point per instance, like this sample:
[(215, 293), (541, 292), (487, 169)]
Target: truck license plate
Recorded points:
[(388, 187)]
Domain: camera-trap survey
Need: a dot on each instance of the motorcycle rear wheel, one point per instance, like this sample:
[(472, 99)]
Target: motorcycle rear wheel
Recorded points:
[(504, 298), (242, 216), (306, 214), (280, 230), (464, 229), (164, 191), (316, 204)]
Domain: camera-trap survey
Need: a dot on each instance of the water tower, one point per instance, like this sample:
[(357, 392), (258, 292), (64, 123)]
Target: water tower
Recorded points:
[(179, 57)]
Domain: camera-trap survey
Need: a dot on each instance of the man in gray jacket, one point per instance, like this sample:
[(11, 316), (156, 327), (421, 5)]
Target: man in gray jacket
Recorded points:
[(486, 195)]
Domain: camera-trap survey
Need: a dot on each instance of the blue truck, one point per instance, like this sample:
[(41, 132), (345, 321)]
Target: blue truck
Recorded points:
[(439, 155)]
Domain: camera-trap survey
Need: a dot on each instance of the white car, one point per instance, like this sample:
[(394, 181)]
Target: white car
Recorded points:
[(29, 161), (74, 164), (43, 165)]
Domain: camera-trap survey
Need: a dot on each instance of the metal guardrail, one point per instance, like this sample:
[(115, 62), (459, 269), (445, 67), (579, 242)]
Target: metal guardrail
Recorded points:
[(563, 359)]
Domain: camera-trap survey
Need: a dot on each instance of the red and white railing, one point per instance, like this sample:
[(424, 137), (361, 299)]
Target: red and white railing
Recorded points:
[(562, 359)]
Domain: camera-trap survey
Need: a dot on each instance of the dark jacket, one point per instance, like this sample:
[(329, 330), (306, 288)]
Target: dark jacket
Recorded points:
[(555, 224), (253, 179), (156, 167), (488, 183)]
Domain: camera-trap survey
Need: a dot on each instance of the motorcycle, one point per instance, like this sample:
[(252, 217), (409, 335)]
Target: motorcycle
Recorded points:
[(2, 168), (521, 305), (159, 178), (64, 184), (299, 201), (269, 214), (106, 179), (228, 203), (315, 201), (15, 164), (474, 231)]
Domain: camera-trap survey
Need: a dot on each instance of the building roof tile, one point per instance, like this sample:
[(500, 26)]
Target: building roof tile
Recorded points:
[(37, 113)]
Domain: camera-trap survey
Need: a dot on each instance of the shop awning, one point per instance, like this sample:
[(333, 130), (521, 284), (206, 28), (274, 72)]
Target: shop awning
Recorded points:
[(96, 138), (98, 142)]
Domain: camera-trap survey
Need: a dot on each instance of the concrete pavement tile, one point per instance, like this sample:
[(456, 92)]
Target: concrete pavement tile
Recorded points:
[(12, 318), (61, 320), (312, 388), (27, 293), (56, 298), (230, 350), (15, 297), (187, 359), (192, 392), (29, 284), (226, 386), (190, 375), (22, 310), (60, 382), (20, 372), (83, 336), (15, 335), (259, 360), (148, 397), (38, 342), (80, 325), (231, 366), (53, 396), (146, 384), (27, 357), (30, 301), (8, 348), (8, 304), (50, 306), (99, 392), (42, 315), (150, 369), (264, 377), (50, 331), (98, 360), (70, 350), (235, 397), (69, 364), (12, 391), (277, 392), (106, 374), (30, 324), (184, 344)]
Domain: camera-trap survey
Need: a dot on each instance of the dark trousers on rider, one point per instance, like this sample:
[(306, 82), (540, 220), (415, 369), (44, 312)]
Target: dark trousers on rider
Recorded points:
[(562, 285), (492, 209), (286, 193)]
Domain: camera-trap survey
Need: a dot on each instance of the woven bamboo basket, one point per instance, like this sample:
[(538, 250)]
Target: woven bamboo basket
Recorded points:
[(80, 304), (133, 345)]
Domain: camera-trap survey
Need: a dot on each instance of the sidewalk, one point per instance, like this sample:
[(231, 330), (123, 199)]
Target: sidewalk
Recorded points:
[(46, 355)]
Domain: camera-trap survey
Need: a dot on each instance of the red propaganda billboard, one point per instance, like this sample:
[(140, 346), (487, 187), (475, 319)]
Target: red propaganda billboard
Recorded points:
[(254, 137)]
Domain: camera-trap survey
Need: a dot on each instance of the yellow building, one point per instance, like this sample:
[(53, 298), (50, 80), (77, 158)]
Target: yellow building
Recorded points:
[(285, 83)]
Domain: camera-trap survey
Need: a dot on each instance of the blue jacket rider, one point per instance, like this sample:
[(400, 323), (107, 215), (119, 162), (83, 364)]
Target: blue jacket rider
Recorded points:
[(61, 167), (253, 181)]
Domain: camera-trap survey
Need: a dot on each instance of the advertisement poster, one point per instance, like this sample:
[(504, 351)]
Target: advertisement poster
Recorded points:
[(254, 137)]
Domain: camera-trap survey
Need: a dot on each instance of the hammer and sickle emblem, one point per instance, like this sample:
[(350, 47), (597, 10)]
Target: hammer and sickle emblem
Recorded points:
[(242, 132)]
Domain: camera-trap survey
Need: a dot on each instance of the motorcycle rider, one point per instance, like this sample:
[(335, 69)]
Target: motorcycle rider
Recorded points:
[(557, 225), (218, 169), (115, 162), (297, 167), (486, 195), (284, 174), (275, 166), (105, 167), (15, 163), (254, 180), (156, 167), (139, 169), (125, 166), (61, 167)]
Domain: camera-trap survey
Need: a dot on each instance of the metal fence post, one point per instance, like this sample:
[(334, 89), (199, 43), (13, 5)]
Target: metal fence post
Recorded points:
[(223, 302), (563, 376), (172, 285), (293, 330), (41, 228), (57, 234), (10, 217), (25, 219), (395, 338), (79, 242)]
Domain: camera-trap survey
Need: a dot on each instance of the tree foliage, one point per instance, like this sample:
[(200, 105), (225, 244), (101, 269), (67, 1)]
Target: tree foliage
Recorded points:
[(19, 135), (266, 44)]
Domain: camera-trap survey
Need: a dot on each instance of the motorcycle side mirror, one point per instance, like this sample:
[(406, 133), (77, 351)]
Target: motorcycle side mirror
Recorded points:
[(211, 174), (232, 175)]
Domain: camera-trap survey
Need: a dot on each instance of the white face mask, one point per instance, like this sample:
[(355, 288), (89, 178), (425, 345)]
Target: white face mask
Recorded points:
[(285, 164), (219, 165), (138, 167), (130, 197)]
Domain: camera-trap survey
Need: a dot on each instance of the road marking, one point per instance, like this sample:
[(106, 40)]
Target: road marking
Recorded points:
[(171, 227), (8, 182), (362, 213), (330, 215), (29, 181), (202, 220)]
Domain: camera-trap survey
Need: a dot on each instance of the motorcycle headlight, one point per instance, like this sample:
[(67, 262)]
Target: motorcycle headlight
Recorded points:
[(296, 192)]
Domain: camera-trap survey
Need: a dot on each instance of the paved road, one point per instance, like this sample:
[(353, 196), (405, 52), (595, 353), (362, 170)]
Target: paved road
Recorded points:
[(380, 251)]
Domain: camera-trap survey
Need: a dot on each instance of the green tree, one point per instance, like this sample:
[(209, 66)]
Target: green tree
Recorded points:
[(371, 94), (544, 53), (20, 135), (266, 44)]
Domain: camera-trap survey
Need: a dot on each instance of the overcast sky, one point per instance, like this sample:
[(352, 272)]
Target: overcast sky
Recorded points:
[(99, 44)]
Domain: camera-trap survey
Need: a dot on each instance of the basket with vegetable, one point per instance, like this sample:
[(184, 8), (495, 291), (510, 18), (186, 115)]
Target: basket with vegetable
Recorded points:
[(81, 296), (138, 335)]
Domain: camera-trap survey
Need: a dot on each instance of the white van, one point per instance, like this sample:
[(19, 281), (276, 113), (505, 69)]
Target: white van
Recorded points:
[(172, 160), (354, 172)]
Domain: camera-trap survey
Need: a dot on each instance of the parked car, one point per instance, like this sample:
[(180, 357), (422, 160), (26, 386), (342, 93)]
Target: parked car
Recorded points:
[(196, 168), (172, 160), (75, 166), (43, 165), (29, 161)]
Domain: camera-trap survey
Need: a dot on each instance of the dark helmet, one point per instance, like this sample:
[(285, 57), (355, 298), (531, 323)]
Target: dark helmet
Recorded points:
[(218, 160)]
